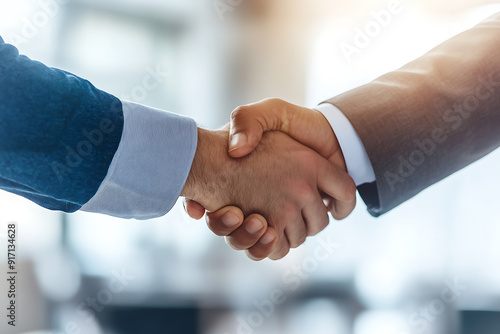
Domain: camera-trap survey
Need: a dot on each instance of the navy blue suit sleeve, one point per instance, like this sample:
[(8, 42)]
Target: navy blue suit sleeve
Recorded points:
[(58, 133)]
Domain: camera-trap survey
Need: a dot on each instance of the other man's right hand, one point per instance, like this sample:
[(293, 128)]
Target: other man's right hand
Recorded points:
[(307, 126)]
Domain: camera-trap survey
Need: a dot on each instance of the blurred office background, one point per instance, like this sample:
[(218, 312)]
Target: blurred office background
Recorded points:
[(429, 266)]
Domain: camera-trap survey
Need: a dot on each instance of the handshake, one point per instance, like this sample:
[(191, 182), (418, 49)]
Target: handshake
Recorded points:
[(269, 178)]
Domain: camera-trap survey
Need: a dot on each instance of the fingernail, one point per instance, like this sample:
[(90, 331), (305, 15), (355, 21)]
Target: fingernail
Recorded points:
[(254, 226), (229, 219), (238, 141), (267, 238)]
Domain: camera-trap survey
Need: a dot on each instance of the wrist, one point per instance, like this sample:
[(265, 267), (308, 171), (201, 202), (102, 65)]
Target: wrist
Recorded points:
[(210, 174)]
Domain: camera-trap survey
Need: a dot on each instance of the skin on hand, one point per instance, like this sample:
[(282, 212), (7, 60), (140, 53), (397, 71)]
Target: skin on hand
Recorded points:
[(308, 126), (281, 180), (230, 223)]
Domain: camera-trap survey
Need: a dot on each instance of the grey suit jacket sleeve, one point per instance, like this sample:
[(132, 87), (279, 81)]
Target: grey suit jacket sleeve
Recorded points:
[(429, 119)]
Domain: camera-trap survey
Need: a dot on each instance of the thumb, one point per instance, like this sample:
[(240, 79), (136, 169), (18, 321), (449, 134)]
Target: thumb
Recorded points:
[(249, 122), (193, 209), (245, 132)]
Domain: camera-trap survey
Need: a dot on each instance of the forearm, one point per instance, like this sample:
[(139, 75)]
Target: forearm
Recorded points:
[(47, 116), (432, 117), (67, 145)]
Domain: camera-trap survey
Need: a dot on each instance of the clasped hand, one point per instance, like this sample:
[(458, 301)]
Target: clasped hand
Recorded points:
[(269, 179)]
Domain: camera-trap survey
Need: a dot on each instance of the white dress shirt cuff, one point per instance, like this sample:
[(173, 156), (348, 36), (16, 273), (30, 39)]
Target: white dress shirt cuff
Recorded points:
[(358, 164), (150, 166)]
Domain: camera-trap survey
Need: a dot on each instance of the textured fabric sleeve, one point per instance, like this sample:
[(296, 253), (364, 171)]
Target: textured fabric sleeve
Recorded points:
[(58, 133), (431, 118), (150, 167)]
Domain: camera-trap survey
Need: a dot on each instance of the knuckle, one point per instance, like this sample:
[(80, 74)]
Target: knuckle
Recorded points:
[(303, 192), (342, 214), (343, 210), (313, 232), (293, 213), (253, 258), (298, 242), (280, 220), (282, 254), (215, 227), (316, 228), (240, 112), (235, 243), (256, 254), (350, 190), (273, 100), (282, 250), (338, 216)]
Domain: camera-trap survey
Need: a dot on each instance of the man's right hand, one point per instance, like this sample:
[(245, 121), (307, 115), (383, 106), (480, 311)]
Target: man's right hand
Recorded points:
[(308, 126), (282, 179)]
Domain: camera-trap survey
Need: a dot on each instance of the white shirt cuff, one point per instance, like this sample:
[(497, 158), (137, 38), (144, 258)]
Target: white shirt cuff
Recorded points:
[(150, 167), (358, 164)]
